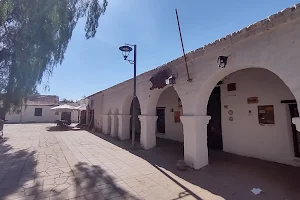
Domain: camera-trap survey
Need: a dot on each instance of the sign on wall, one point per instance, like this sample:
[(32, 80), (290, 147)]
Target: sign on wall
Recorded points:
[(266, 114), (252, 100), (177, 116)]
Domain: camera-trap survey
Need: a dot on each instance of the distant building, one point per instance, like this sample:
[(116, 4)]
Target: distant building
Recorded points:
[(73, 116), (37, 109)]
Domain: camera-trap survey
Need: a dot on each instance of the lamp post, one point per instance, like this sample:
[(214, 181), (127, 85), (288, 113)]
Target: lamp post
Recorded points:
[(126, 49)]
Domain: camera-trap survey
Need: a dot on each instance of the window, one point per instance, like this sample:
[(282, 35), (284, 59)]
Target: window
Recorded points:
[(38, 111)]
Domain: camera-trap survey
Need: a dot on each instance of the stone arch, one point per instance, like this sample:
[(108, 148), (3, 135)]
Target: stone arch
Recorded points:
[(126, 104), (206, 88), (125, 116), (149, 116), (150, 104), (242, 133), (137, 121), (169, 109)]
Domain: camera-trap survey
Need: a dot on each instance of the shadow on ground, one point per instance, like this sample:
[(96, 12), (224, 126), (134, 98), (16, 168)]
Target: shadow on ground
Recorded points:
[(97, 183), (16, 169), (227, 175), (62, 128)]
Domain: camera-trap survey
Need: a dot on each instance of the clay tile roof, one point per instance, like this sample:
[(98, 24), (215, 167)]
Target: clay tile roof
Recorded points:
[(42, 100)]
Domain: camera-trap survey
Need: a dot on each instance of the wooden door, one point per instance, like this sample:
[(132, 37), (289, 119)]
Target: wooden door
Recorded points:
[(214, 127), (66, 116), (160, 123)]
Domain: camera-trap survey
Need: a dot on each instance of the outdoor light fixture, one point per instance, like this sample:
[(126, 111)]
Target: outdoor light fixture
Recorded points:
[(222, 61), (170, 80), (126, 49)]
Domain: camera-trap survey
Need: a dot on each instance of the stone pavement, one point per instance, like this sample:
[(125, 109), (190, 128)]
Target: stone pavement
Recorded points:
[(41, 163)]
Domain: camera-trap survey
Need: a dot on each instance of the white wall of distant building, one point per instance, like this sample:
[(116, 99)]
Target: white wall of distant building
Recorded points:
[(28, 115)]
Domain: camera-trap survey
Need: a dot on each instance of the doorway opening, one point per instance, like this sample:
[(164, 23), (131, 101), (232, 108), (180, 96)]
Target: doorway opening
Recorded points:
[(66, 116), (169, 128), (214, 127), (82, 118), (91, 120), (296, 135), (160, 123), (137, 120)]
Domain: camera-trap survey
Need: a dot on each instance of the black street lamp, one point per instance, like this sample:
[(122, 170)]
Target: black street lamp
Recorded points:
[(126, 49)]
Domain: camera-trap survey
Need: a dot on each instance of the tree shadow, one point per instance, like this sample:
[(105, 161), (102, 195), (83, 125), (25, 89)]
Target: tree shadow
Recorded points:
[(17, 169), (62, 128), (227, 175), (97, 183)]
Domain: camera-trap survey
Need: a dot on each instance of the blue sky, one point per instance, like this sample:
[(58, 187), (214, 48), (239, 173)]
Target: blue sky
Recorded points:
[(96, 64)]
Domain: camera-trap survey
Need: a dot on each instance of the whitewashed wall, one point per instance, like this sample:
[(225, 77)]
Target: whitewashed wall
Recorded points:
[(74, 116), (169, 100), (13, 117), (271, 44), (244, 135), (27, 115), (97, 107), (48, 115)]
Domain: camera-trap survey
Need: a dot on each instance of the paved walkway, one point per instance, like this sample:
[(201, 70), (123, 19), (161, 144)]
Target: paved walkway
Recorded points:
[(37, 163)]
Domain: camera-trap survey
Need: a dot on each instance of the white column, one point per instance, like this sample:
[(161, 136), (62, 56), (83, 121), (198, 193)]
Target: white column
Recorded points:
[(195, 140), (296, 121), (106, 123), (114, 126), (148, 131), (124, 127)]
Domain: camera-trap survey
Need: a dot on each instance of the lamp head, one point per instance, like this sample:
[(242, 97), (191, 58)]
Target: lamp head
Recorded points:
[(125, 51)]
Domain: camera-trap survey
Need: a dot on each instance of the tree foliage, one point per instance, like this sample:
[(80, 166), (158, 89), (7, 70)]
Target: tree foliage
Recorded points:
[(64, 100), (34, 35)]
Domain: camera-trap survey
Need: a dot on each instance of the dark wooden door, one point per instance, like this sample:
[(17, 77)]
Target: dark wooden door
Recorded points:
[(83, 117), (160, 123), (66, 116), (214, 127), (296, 135)]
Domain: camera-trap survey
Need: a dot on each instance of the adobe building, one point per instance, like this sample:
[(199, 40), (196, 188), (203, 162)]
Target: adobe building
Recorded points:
[(242, 97)]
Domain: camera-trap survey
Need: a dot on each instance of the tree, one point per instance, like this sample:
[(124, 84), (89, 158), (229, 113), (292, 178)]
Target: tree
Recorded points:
[(34, 35), (64, 100)]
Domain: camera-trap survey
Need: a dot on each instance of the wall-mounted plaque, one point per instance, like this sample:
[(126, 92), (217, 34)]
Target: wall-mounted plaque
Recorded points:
[(266, 114), (252, 100), (231, 87), (177, 117)]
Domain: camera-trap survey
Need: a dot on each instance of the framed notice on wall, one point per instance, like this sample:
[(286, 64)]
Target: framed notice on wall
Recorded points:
[(266, 114), (177, 116), (251, 100)]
